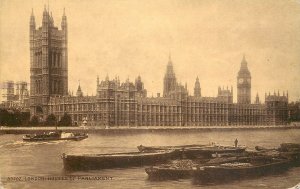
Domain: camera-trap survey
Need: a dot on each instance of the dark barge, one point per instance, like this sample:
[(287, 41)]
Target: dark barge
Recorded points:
[(116, 160), (55, 135), (195, 151), (256, 167), (182, 169)]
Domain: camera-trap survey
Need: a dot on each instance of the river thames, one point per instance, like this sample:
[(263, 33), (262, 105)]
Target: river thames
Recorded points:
[(39, 165)]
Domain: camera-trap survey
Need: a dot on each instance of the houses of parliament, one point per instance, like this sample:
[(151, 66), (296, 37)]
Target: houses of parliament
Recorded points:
[(126, 103)]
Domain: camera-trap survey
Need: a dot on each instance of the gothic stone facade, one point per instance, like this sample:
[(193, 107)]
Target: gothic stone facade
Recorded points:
[(48, 63), (127, 104)]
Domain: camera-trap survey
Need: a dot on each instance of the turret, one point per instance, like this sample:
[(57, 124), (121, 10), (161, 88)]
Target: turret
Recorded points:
[(79, 92), (32, 21), (64, 21), (257, 99), (31, 41), (45, 17), (51, 20), (197, 88)]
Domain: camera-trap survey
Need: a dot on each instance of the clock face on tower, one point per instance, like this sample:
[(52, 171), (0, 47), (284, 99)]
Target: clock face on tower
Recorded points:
[(241, 81)]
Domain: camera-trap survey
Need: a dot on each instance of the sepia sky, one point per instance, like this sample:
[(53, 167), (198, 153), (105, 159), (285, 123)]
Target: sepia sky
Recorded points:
[(206, 38)]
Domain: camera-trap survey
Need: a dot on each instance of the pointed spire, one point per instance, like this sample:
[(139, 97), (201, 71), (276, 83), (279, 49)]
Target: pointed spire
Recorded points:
[(244, 68), (79, 92), (32, 20), (257, 99), (64, 14), (45, 17), (64, 21), (244, 62)]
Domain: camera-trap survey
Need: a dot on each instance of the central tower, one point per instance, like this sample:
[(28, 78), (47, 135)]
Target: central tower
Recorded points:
[(244, 84), (48, 62), (169, 79)]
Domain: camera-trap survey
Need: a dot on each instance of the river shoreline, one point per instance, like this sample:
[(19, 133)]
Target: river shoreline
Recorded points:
[(140, 129)]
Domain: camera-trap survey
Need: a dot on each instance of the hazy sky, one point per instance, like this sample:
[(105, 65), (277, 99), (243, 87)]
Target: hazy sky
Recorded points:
[(206, 38)]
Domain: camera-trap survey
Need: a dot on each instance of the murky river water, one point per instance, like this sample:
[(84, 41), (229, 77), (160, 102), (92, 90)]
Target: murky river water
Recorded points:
[(32, 160)]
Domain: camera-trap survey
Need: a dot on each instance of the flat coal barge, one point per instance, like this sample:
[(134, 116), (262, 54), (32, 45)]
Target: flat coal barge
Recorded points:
[(116, 160), (239, 170), (195, 151)]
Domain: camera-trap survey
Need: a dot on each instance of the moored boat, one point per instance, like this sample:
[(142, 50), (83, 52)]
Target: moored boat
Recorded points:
[(184, 168), (143, 148), (55, 135), (116, 160), (255, 167), (195, 151), (178, 169)]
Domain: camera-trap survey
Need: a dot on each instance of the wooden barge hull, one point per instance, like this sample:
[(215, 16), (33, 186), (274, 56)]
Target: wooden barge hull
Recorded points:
[(118, 160), (194, 151), (215, 174)]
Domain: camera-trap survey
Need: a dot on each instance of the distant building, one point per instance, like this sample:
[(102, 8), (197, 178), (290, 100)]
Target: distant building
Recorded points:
[(7, 91), (14, 95), (126, 103)]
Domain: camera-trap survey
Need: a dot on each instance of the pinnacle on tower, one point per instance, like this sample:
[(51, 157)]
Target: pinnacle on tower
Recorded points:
[(64, 20), (197, 89), (32, 20)]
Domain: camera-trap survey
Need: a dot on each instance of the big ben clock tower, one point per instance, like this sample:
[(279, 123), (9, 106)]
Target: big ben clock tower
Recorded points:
[(244, 84)]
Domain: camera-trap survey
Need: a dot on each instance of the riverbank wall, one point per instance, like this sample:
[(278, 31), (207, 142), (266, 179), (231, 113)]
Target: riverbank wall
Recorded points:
[(140, 129)]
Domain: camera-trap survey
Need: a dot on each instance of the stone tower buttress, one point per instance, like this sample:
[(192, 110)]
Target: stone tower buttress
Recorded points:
[(64, 28)]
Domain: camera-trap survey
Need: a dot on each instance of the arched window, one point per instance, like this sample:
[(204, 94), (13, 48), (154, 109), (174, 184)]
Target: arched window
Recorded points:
[(36, 87), (58, 60), (52, 87)]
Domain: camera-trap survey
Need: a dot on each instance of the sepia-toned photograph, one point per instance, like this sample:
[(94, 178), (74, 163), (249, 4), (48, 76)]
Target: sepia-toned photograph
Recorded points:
[(149, 94)]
